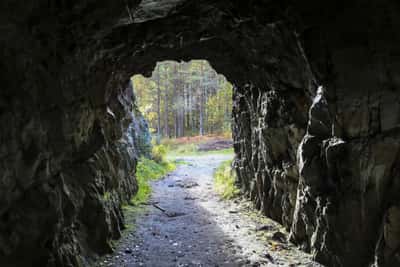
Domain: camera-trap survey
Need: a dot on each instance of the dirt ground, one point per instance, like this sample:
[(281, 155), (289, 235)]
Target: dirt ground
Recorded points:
[(186, 223)]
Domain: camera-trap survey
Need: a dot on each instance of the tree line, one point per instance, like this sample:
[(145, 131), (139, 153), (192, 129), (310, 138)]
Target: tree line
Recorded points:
[(184, 99)]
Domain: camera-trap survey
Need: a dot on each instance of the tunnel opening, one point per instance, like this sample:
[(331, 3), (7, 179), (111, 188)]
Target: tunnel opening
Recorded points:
[(186, 107), (186, 103)]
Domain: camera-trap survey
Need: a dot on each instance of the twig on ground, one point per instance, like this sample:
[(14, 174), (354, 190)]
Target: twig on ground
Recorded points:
[(158, 207)]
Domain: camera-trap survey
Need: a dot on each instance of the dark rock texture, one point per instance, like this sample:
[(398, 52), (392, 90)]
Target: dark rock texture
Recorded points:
[(66, 169), (316, 118), (318, 148)]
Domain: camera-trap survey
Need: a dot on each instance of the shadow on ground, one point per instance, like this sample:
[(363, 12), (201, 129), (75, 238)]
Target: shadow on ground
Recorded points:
[(186, 224)]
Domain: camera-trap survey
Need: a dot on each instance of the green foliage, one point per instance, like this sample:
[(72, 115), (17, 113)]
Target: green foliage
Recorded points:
[(158, 153), (180, 148), (219, 108), (145, 97), (149, 170), (224, 180)]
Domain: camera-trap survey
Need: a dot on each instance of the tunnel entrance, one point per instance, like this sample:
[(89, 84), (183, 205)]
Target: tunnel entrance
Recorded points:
[(187, 187), (185, 99), (188, 110)]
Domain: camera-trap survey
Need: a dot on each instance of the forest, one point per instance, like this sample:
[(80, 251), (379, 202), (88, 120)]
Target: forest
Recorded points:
[(184, 99)]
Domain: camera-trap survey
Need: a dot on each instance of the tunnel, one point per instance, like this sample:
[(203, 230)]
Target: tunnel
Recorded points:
[(316, 116)]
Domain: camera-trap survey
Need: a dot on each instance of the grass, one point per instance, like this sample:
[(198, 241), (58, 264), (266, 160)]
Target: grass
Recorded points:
[(173, 154), (224, 181), (183, 149), (171, 142), (152, 169), (188, 146), (149, 170)]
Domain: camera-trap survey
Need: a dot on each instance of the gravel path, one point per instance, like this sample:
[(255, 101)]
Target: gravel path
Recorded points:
[(187, 224)]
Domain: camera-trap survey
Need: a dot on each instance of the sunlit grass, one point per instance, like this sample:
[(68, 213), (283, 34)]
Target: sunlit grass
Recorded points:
[(189, 146), (149, 170), (172, 155), (224, 181), (196, 152)]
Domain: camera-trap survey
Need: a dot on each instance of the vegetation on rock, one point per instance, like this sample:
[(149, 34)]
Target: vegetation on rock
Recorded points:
[(224, 180), (148, 170)]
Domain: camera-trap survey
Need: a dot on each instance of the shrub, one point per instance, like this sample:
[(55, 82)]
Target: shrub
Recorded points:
[(158, 153)]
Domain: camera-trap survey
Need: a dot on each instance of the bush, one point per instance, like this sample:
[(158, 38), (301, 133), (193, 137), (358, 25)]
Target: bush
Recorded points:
[(158, 153)]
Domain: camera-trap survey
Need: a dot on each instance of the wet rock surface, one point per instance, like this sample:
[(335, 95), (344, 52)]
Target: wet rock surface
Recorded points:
[(209, 232)]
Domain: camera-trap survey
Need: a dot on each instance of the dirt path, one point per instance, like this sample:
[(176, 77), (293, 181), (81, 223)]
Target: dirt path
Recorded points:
[(199, 229)]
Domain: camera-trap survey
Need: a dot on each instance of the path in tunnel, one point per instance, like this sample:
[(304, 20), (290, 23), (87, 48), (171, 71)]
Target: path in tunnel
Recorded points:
[(199, 229)]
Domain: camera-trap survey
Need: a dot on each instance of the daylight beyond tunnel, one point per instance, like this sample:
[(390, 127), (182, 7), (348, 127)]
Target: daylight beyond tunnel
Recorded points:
[(185, 99)]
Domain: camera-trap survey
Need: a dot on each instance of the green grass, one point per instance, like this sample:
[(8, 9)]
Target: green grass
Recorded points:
[(182, 151), (224, 181), (188, 146), (149, 170)]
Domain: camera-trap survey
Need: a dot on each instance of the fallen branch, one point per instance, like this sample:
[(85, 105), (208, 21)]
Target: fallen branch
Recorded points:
[(170, 214), (149, 203), (158, 207)]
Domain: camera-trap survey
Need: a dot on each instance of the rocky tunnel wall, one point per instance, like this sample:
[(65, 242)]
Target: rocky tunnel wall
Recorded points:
[(322, 156), (316, 118)]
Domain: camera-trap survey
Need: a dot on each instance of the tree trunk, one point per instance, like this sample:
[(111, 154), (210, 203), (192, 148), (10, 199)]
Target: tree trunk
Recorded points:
[(166, 128), (158, 107), (201, 113)]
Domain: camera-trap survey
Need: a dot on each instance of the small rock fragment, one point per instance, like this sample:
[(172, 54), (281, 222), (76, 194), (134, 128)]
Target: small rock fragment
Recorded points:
[(279, 236), (269, 257)]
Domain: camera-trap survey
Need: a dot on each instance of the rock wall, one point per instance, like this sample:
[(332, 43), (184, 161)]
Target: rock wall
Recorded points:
[(66, 170), (68, 141), (316, 118), (322, 156)]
